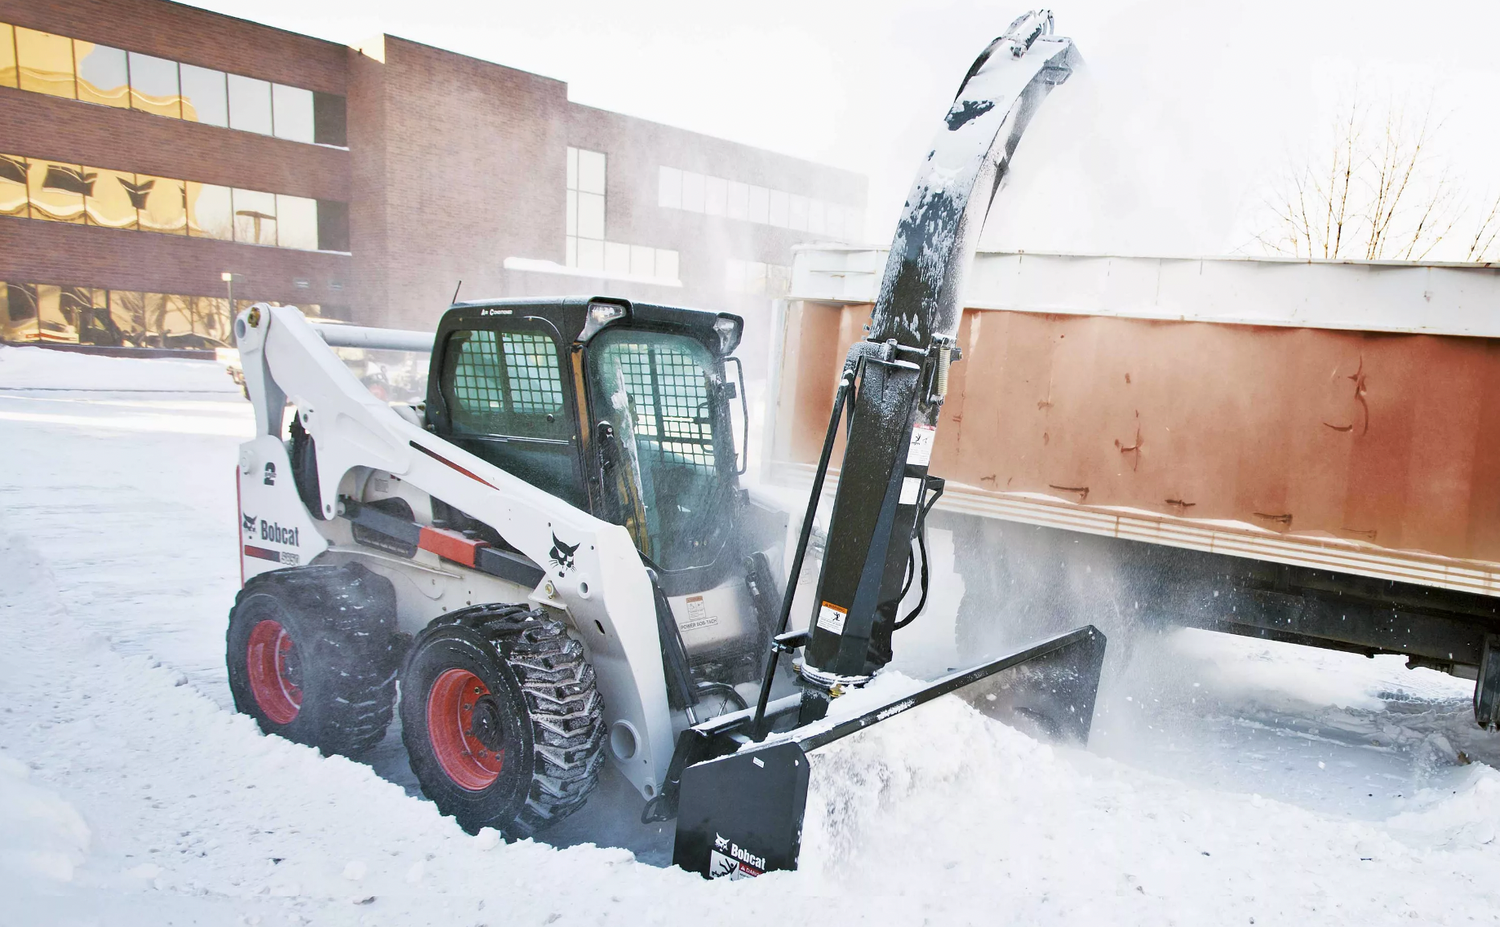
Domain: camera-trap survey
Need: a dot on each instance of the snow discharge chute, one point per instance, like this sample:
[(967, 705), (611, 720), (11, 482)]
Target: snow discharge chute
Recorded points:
[(739, 783)]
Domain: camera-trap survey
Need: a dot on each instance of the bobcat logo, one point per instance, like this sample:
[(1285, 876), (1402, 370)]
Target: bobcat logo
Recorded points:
[(562, 554), (248, 523)]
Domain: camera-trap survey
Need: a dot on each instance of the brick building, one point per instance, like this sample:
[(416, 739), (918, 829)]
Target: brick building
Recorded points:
[(154, 149)]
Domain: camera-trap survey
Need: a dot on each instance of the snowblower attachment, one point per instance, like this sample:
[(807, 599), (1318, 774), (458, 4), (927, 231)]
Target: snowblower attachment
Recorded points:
[(739, 795), (740, 815)]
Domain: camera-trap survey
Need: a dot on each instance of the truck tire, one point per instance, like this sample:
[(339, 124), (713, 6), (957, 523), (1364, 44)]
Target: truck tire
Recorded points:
[(313, 653), (502, 722)]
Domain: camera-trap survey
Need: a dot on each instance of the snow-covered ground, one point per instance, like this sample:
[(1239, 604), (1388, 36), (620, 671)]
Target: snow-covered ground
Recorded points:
[(1228, 781)]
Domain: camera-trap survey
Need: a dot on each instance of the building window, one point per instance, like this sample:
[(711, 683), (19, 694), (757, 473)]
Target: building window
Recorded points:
[(756, 278), (57, 65), (587, 248), (205, 96), (330, 120), (333, 225), (691, 191), (108, 198), (63, 314), (292, 112), (45, 63), (7, 55), (585, 220), (103, 76), (154, 87)]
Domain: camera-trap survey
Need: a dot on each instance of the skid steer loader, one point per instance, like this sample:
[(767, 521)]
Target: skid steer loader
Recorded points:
[(553, 558)]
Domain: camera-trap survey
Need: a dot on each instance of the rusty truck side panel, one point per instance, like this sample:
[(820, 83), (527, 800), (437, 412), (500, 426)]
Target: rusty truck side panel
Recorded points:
[(1383, 442)]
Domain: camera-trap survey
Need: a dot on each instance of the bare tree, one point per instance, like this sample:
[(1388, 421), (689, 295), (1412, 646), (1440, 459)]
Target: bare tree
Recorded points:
[(1374, 188)]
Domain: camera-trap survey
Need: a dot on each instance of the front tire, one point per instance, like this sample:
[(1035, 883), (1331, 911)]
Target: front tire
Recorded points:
[(501, 718), (312, 654)]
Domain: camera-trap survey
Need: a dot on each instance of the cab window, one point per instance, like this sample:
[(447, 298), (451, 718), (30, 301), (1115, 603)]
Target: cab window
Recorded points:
[(508, 403)]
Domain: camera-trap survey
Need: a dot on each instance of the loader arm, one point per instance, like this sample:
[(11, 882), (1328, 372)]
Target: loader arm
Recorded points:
[(603, 586)]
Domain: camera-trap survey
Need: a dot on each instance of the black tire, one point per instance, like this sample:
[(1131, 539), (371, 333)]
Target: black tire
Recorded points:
[(541, 710), (340, 625)]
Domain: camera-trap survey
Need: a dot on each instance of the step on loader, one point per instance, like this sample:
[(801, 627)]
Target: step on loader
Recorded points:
[(553, 562)]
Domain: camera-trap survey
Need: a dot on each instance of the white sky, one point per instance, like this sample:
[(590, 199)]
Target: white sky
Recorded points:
[(1186, 106)]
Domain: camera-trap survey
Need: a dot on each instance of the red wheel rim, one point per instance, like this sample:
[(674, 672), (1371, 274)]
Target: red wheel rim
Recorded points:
[(457, 703), (269, 657)]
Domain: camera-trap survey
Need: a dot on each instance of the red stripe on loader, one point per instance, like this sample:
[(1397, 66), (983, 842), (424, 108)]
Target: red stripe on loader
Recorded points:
[(260, 553), (450, 545)]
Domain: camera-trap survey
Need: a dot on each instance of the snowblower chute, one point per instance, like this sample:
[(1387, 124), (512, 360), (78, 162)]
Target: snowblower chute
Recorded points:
[(740, 782)]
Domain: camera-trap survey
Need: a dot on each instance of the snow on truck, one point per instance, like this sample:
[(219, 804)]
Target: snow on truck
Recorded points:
[(552, 562), (1302, 451)]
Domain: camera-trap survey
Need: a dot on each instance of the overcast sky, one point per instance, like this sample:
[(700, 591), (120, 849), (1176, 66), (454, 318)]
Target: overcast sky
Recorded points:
[(1184, 108)]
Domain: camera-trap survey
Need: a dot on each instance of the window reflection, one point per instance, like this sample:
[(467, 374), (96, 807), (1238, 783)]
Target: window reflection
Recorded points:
[(205, 95), (102, 74), (7, 59), (45, 62), (296, 222), (18, 321), (165, 208), (56, 191), (114, 199), (153, 85), (210, 212), (117, 199), (254, 217), (292, 113), (249, 104), (58, 65), (13, 197)]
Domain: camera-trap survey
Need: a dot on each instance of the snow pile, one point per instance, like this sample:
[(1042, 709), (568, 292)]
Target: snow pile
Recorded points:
[(45, 837), (41, 368)]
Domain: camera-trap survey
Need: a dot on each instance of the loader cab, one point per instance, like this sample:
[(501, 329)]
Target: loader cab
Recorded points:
[(619, 408)]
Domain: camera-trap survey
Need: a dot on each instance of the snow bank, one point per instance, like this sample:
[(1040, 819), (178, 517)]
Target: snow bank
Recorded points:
[(41, 368), (44, 835)]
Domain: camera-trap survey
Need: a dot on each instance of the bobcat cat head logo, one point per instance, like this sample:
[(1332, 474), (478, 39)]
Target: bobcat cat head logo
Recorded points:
[(562, 554), (248, 522)]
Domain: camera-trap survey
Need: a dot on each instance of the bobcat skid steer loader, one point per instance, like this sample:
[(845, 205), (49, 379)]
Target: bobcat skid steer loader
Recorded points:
[(551, 558)]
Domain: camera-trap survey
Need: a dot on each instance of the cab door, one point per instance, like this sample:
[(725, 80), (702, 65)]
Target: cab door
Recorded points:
[(507, 401)]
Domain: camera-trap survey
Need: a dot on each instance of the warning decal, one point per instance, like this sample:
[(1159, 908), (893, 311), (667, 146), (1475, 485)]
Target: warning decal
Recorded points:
[(831, 617), (911, 487), (919, 453)]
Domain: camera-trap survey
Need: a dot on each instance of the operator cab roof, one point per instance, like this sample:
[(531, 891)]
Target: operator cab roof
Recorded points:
[(578, 318)]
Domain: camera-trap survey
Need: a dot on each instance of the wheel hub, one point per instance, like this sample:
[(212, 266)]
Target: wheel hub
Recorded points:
[(485, 724), (466, 728), (275, 671)]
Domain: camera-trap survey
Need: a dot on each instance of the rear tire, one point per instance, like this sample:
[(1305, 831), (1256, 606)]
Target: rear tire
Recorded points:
[(501, 718), (313, 653)]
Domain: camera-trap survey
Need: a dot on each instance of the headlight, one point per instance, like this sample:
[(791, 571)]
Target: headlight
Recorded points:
[(600, 315), (729, 329)]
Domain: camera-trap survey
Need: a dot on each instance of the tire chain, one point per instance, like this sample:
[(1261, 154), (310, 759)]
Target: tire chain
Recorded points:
[(567, 712)]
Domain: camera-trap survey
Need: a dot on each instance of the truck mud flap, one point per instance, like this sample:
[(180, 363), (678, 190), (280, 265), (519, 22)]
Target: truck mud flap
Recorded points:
[(740, 815)]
